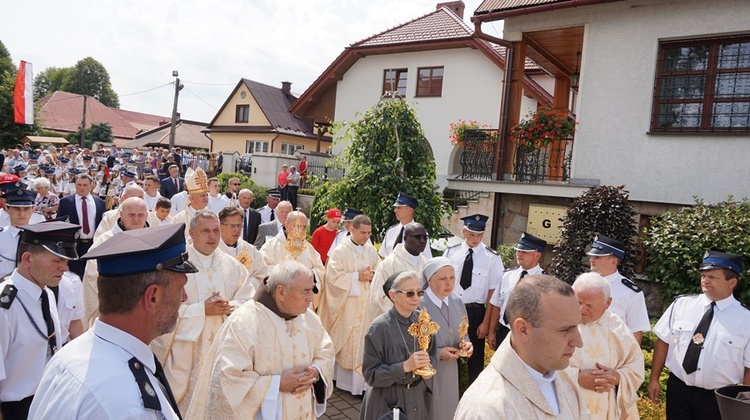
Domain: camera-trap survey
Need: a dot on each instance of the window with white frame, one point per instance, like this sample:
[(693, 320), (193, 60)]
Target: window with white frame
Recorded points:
[(290, 148), (255, 146)]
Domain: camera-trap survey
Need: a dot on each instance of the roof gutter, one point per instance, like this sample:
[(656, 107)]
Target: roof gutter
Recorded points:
[(509, 52), (500, 15)]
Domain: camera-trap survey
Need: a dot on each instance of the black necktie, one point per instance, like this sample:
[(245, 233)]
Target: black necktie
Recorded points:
[(400, 237), (468, 268), (272, 216), (163, 379), (523, 274), (245, 228), (690, 363), (48, 320)]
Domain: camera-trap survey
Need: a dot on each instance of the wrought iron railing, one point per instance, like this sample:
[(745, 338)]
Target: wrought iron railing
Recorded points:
[(456, 198), (550, 163), (478, 156)]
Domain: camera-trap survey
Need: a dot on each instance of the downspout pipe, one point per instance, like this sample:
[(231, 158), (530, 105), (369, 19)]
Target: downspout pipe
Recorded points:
[(509, 54), (211, 140)]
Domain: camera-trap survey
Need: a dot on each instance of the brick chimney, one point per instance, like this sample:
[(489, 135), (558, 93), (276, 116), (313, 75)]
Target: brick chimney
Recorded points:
[(286, 87), (456, 7)]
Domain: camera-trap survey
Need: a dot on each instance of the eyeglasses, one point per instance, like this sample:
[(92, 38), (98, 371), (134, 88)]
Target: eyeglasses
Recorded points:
[(419, 237), (232, 226), (410, 293), (235, 185)]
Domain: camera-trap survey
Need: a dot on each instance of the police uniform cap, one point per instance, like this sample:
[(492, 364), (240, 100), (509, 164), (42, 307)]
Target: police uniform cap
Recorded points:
[(349, 214), (49, 171), (529, 243), (274, 193), (607, 246), (714, 260), (87, 158), (475, 223), (127, 172), (58, 238), (19, 196), (19, 168), (406, 200), (33, 157), (143, 250), (63, 160)]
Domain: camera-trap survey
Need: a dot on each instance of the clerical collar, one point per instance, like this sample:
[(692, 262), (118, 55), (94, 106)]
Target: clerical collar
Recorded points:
[(264, 298)]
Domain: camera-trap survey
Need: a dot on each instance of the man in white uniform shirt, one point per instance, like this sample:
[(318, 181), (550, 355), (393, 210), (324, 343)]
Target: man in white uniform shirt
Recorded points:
[(29, 323), (19, 206), (109, 371), (480, 269), (403, 208), (268, 212), (529, 251), (628, 301), (704, 340)]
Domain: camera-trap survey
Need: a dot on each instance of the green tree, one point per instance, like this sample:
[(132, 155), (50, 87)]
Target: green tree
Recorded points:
[(101, 132), (676, 242), (603, 210), (386, 153), (51, 80), (10, 132), (86, 77)]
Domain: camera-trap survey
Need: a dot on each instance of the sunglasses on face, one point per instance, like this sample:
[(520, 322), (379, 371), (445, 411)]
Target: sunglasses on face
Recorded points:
[(419, 237), (410, 293)]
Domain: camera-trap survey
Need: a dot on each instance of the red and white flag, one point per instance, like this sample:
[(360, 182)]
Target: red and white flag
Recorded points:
[(23, 95)]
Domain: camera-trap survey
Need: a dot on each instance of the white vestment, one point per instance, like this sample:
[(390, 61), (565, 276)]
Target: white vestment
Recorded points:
[(250, 258), (609, 342), (274, 251), (182, 351), (342, 308), (242, 373), (110, 217)]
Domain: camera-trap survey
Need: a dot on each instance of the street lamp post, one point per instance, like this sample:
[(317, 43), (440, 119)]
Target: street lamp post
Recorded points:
[(177, 88)]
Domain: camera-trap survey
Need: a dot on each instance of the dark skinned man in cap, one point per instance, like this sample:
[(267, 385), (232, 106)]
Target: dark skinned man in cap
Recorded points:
[(110, 372), (403, 208)]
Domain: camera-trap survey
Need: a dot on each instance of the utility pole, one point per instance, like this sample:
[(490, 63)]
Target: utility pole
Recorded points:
[(83, 123), (177, 88)]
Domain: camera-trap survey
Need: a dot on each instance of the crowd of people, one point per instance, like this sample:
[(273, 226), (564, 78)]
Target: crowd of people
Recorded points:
[(183, 300)]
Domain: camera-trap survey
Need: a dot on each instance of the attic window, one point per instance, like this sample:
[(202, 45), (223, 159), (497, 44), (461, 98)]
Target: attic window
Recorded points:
[(703, 86), (430, 81), (242, 114), (395, 80)]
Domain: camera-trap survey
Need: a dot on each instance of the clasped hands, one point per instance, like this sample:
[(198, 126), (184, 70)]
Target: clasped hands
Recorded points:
[(298, 379), (602, 379), (217, 305), (366, 274), (451, 353)]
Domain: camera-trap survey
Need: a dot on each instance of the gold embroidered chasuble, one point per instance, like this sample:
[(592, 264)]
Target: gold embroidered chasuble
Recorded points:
[(275, 251), (250, 258)]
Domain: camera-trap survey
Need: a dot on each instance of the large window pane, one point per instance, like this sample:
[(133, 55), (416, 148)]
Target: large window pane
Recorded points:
[(683, 87), (731, 114), (680, 115), (732, 85), (734, 56), (685, 59)]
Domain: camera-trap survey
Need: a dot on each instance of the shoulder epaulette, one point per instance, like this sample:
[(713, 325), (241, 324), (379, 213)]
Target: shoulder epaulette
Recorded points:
[(491, 250), (509, 269), (148, 395), (2, 229), (8, 296), (630, 285), (745, 306), (453, 246), (545, 273)]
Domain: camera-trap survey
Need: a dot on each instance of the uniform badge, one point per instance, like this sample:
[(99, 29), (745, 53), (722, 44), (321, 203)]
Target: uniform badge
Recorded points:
[(149, 389), (4, 299), (698, 339)]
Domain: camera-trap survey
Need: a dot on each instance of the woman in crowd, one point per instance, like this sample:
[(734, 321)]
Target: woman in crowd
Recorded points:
[(438, 280), (46, 201), (391, 355)]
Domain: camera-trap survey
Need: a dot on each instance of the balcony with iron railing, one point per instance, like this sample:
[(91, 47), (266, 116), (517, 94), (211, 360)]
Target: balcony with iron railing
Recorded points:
[(483, 153)]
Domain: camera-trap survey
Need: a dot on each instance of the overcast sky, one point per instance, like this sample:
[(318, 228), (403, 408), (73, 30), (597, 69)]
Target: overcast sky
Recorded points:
[(211, 43)]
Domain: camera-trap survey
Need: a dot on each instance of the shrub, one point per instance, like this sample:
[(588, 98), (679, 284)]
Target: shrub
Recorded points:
[(603, 210), (259, 193), (676, 242), (507, 254)]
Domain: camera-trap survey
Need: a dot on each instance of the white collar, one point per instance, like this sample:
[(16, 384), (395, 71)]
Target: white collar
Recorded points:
[(127, 342), (613, 277), (433, 297), (540, 379), (28, 286)]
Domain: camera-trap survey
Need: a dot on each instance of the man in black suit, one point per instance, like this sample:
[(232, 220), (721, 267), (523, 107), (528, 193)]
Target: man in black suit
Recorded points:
[(252, 217), (88, 217), (173, 184)]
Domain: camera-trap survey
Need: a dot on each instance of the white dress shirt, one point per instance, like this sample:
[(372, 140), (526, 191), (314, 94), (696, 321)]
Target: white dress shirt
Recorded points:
[(628, 304), (389, 242), (91, 209), (69, 302), (510, 279), (485, 276)]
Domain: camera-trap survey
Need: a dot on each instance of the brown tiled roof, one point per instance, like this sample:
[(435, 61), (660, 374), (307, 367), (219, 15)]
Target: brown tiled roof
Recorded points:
[(488, 6), (188, 135), (275, 106), (62, 112), (142, 121), (438, 25)]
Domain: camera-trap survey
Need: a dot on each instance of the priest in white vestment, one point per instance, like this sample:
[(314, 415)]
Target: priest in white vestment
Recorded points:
[(213, 293), (110, 217), (231, 219), (609, 367), (133, 213), (405, 257), (196, 185), (291, 244), (350, 270), (272, 359), (526, 377)]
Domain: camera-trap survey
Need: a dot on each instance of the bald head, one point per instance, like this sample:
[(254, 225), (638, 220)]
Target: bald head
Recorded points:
[(133, 213), (133, 190)]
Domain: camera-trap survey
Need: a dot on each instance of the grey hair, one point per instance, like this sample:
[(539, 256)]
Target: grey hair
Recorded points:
[(246, 190), (590, 281), (285, 203), (129, 191), (285, 273), (41, 183), (403, 277), (525, 300), (202, 214)]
